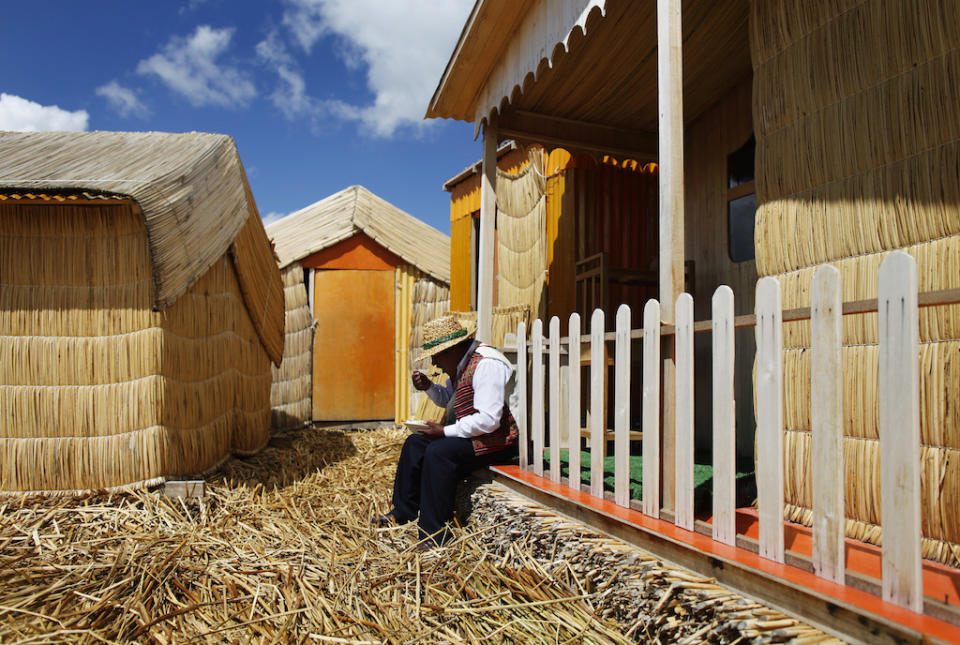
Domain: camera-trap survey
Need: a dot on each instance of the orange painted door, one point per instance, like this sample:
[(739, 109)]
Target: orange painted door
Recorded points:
[(353, 348)]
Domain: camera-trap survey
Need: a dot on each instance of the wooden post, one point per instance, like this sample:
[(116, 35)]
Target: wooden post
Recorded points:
[(621, 409), (651, 408), (310, 285), (826, 421), (488, 214), (598, 369), (724, 419), (521, 419), (899, 380), (670, 128), (684, 415), (573, 416), (555, 399), (770, 418), (536, 397)]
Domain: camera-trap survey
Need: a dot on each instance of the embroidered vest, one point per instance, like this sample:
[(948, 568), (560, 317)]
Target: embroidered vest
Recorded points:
[(505, 435)]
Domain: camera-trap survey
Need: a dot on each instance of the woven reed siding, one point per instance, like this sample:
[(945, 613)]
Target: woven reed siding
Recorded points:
[(522, 235), (260, 280), (103, 391), (858, 153), (431, 299), (189, 186), (290, 393)]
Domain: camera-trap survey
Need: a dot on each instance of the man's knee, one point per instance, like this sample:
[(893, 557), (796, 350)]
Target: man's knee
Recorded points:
[(441, 451)]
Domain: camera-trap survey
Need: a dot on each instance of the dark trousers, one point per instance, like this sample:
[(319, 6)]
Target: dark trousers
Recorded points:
[(427, 475)]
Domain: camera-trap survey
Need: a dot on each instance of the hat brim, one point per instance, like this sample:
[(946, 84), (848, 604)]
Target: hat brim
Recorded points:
[(436, 349)]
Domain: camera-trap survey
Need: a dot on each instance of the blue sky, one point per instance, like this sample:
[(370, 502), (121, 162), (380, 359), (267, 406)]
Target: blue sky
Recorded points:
[(319, 94)]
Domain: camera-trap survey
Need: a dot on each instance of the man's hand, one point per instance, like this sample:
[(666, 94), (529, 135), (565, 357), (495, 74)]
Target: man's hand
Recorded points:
[(433, 430), (420, 381)]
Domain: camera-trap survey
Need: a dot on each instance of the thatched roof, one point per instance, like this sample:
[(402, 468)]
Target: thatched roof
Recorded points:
[(356, 209), (190, 188), (192, 191)]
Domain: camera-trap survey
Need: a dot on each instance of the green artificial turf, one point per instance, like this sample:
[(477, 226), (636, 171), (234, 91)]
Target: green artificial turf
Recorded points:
[(702, 475)]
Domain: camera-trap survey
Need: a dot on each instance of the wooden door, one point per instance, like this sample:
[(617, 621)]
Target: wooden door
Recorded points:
[(354, 345)]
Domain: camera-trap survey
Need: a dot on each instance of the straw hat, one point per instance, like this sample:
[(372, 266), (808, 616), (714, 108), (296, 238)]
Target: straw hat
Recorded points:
[(442, 333)]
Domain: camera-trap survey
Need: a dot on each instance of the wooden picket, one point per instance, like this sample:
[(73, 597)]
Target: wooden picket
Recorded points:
[(724, 419), (826, 419), (621, 409), (899, 415), (536, 420), (598, 422), (769, 395), (651, 409), (900, 510), (573, 414), (521, 386), (683, 342), (555, 399)]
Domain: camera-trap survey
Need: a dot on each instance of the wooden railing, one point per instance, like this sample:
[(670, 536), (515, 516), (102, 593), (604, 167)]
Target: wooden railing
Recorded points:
[(897, 305)]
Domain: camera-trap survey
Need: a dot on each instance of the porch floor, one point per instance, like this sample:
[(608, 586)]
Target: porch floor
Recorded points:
[(794, 588)]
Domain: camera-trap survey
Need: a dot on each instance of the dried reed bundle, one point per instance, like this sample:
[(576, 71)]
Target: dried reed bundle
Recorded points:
[(658, 602), (858, 153), (431, 299), (521, 235), (102, 391), (291, 394), (281, 549)]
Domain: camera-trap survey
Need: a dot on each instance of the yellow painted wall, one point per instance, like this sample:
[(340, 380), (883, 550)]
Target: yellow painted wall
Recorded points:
[(464, 202)]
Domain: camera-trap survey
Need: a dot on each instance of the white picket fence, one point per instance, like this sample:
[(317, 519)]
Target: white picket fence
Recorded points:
[(899, 417)]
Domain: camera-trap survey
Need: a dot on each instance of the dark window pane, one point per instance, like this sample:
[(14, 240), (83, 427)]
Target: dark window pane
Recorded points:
[(740, 164), (740, 218)]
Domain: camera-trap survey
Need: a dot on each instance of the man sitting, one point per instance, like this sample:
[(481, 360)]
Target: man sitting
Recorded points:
[(482, 430)]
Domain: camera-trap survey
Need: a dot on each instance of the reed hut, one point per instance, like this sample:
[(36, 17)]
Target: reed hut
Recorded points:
[(374, 274), (789, 135), (140, 309)]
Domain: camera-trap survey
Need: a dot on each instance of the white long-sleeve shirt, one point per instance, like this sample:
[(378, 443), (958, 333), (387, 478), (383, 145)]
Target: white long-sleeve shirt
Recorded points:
[(489, 384)]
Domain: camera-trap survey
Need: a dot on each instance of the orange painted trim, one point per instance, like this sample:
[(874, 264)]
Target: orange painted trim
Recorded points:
[(867, 602), (940, 582), (357, 252)]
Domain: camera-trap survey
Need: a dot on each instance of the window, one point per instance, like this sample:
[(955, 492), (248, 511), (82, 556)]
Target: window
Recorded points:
[(741, 202)]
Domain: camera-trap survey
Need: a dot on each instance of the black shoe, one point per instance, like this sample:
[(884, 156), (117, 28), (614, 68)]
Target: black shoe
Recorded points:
[(388, 519)]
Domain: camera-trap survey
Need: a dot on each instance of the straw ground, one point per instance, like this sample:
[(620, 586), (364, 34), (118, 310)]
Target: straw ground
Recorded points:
[(280, 550)]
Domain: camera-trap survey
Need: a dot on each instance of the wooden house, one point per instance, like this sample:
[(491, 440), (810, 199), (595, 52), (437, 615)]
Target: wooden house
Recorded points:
[(140, 309), (373, 275), (787, 136)]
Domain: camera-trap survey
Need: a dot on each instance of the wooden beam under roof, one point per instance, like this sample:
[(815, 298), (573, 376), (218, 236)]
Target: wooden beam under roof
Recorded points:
[(532, 127)]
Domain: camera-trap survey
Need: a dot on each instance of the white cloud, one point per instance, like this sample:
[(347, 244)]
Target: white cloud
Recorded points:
[(290, 97), (188, 65), (404, 46), (123, 100), (20, 115), (272, 217)]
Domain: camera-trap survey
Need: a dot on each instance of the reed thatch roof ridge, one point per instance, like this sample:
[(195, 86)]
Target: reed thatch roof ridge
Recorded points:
[(190, 188), (341, 215)]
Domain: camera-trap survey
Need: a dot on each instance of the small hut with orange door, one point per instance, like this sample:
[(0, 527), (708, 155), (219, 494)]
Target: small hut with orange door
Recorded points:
[(373, 275)]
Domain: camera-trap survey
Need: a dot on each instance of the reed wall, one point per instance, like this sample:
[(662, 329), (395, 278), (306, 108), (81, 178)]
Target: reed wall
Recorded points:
[(858, 154), (431, 299), (292, 388), (98, 390)]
